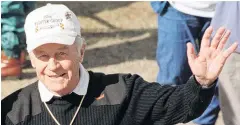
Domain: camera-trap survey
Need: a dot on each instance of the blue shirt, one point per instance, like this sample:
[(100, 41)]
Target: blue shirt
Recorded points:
[(228, 15)]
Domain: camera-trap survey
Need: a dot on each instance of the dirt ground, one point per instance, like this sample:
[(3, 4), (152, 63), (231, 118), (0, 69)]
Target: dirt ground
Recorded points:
[(121, 38)]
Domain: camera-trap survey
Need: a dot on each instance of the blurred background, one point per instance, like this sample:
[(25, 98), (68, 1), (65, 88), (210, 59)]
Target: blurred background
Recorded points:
[(121, 38)]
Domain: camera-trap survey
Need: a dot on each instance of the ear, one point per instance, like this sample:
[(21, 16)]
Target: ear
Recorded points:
[(82, 52), (32, 60)]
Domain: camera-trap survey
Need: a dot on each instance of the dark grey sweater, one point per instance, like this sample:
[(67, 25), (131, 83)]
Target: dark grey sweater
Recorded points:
[(128, 100)]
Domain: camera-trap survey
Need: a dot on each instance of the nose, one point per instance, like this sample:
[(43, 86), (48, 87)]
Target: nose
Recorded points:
[(52, 64)]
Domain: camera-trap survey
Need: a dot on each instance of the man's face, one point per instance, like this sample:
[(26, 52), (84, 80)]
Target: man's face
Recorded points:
[(57, 66)]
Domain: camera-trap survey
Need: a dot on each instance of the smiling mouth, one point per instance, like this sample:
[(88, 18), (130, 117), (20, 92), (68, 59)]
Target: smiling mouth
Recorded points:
[(56, 76)]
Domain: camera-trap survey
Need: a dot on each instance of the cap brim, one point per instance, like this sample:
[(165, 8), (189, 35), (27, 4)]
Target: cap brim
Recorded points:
[(66, 40)]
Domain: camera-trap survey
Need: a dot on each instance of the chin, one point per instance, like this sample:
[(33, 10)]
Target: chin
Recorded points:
[(56, 85)]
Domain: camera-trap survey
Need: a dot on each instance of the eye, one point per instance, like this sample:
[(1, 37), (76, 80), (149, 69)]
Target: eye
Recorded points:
[(43, 56), (62, 53)]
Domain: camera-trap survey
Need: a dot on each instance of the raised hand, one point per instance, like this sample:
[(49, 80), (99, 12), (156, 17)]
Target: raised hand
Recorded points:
[(209, 63)]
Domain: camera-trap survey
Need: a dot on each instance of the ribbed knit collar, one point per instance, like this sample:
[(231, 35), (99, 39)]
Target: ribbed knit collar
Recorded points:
[(81, 88)]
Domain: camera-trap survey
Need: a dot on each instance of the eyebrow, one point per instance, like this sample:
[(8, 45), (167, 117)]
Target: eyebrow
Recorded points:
[(38, 51), (63, 48)]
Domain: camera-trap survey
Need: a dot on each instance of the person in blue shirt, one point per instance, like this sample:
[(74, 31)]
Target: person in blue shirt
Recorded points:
[(13, 14)]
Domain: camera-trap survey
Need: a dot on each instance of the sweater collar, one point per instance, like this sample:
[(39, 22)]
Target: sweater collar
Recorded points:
[(81, 88)]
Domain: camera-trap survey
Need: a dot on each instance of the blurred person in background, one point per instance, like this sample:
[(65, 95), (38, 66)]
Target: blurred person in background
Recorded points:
[(180, 22), (228, 15), (13, 14)]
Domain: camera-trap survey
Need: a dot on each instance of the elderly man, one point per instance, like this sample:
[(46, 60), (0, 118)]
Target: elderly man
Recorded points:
[(68, 94)]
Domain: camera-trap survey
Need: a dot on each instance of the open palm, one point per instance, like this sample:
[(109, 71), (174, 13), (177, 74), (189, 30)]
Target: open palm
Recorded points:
[(208, 64)]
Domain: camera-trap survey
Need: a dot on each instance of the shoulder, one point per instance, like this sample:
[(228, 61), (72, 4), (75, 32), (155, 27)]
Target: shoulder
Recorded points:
[(21, 102), (21, 93), (102, 79), (115, 87), (18, 95)]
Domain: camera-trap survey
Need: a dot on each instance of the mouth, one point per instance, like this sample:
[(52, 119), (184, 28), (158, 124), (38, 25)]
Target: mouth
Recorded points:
[(56, 76)]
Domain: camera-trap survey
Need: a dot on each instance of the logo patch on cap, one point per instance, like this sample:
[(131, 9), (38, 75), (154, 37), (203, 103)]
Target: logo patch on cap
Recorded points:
[(48, 22), (68, 15)]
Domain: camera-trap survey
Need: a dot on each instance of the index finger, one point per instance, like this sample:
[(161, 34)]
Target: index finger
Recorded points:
[(206, 37)]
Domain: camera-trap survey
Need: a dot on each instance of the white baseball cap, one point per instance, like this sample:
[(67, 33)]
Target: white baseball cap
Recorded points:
[(53, 23)]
